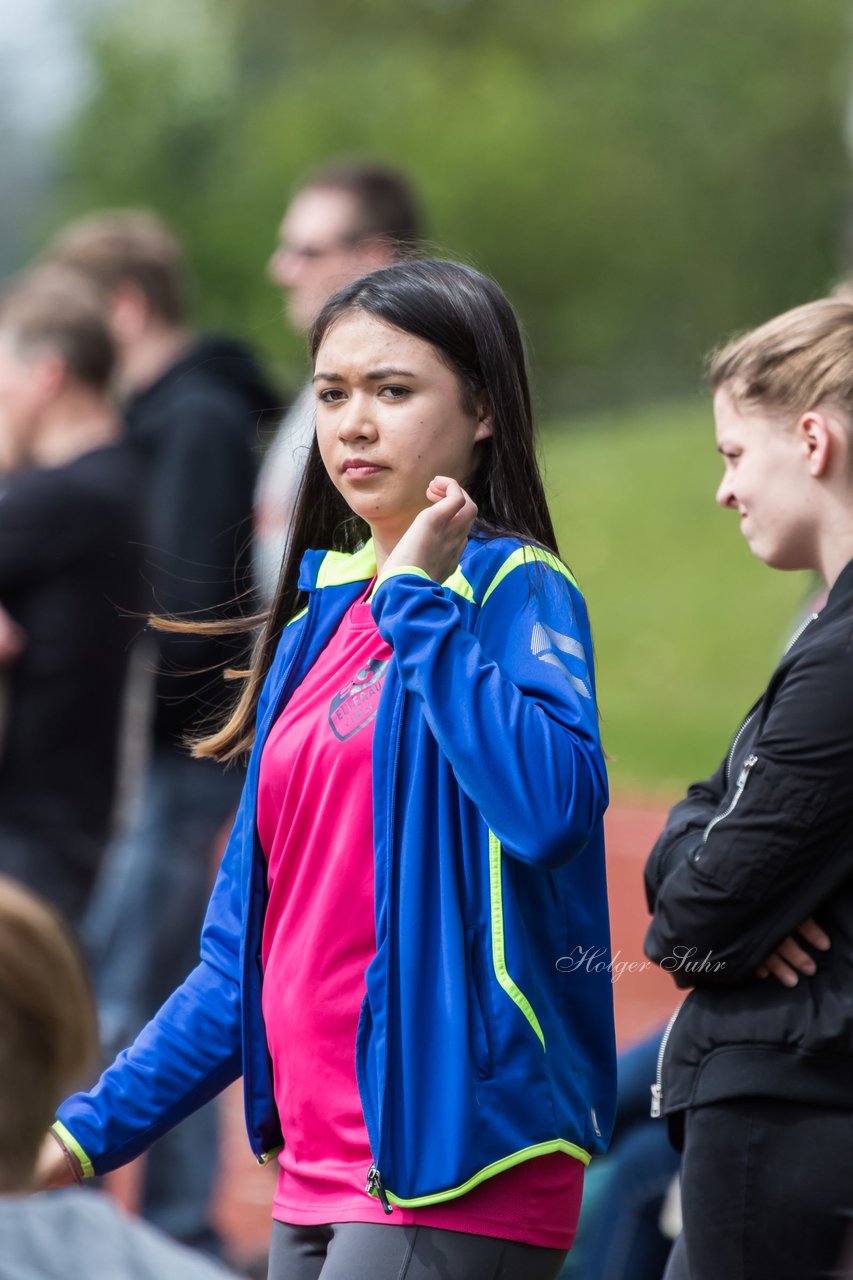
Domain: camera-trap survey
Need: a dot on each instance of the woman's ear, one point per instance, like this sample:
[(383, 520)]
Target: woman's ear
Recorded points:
[(128, 313), (819, 440), (49, 374), (484, 418)]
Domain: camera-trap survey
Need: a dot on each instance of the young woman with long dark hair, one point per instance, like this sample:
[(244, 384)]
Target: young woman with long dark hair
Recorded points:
[(419, 840)]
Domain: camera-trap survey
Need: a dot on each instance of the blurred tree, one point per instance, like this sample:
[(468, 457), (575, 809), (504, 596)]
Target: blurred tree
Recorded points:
[(641, 176)]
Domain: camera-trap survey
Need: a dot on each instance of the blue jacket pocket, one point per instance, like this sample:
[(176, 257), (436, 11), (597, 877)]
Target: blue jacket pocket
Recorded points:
[(478, 1024)]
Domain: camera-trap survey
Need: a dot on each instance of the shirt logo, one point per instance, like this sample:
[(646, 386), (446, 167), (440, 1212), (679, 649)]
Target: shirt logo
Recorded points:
[(356, 704), (558, 650)]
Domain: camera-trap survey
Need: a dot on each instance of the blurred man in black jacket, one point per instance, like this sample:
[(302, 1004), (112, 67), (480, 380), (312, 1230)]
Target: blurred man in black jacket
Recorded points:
[(70, 587), (193, 407)]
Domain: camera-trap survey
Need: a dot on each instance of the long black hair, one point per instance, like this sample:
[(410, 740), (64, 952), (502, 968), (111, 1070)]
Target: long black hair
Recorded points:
[(468, 321)]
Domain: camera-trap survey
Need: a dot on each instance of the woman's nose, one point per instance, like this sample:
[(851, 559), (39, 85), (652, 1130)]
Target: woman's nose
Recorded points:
[(356, 422), (281, 268), (725, 495)]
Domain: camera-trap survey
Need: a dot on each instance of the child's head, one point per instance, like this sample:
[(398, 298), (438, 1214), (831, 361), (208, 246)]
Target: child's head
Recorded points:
[(47, 1027)]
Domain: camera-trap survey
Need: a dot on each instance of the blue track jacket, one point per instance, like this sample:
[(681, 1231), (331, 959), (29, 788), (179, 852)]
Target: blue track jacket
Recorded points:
[(474, 1050)]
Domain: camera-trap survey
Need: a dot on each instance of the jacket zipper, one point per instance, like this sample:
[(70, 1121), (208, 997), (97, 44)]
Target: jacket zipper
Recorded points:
[(265, 1157), (733, 749), (749, 763), (374, 1185), (738, 737), (657, 1087), (795, 637), (284, 691)]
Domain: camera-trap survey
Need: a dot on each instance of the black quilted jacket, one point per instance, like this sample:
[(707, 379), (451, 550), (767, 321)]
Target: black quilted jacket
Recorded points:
[(744, 859)]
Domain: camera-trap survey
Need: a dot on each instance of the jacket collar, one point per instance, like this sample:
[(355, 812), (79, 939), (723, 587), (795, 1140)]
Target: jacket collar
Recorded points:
[(321, 569), (841, 592)]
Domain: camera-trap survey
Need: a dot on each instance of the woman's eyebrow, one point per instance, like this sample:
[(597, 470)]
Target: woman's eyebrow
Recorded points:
[(376, 375), (389, 372)]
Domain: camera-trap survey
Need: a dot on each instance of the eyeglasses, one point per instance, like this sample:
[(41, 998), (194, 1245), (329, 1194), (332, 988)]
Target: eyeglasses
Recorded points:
[(313, 252)]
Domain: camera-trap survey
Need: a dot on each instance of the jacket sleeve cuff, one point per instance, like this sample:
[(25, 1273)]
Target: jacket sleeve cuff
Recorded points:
[(67, 1140), (403, 570)]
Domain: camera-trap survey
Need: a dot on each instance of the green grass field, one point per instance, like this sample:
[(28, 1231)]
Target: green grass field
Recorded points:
[(687, 624)]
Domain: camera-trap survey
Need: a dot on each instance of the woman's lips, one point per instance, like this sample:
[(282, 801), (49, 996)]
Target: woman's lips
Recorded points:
[(360, 469)]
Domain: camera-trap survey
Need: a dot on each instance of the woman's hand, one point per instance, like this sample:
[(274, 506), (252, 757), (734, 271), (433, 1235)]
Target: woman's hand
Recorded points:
[(789, 959), (436, 538), (56, 1166)]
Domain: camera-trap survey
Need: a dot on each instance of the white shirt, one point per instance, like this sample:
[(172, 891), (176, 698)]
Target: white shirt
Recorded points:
[(277, 489)]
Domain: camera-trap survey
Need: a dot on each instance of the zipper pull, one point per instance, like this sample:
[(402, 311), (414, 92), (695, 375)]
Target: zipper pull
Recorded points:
[(374, 1187), (267, 1156), (656, 1101), (748, 764)]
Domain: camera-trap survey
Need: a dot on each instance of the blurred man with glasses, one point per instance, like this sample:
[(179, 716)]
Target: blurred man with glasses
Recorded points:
[(343, 221)]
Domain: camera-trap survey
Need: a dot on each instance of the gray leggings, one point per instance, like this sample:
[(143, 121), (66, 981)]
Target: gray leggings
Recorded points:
[(369, 1251)]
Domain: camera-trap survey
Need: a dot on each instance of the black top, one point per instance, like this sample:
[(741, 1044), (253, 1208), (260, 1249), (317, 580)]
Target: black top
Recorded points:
[(196, 431), (747, 857), (69, 566)]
